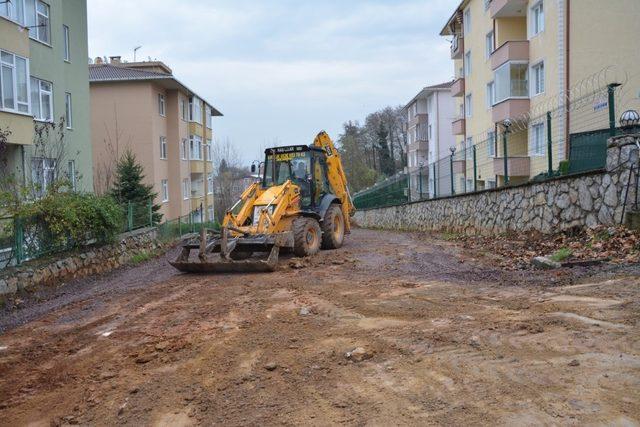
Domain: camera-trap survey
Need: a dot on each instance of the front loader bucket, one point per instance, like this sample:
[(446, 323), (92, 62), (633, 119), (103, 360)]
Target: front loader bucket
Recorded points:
[(208, 262), (215, 264)]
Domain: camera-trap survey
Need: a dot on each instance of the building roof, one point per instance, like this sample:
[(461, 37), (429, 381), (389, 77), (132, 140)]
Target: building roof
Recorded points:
[(446, 30), (428, 89), (105, 73)]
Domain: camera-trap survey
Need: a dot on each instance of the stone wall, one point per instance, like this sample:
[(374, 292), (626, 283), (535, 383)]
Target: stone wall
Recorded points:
[(586, 200), (94, 260)]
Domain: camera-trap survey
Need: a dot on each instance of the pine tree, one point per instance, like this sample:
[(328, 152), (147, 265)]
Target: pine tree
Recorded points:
[(128, 186), (386, 162)]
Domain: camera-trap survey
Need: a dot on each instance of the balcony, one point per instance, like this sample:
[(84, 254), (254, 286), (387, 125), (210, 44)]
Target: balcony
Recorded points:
[(510, 109), (457, 47), (422, 132), (516, 166), (510, 51), (458, 126), (457, 88), (418, 118), (508, 8)]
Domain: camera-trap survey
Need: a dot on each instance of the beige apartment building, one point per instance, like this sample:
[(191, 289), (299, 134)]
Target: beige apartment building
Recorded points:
[(142, 106), (516, 60)]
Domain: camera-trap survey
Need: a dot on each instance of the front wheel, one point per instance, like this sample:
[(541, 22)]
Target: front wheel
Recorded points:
[(333, 228), (306, 237)]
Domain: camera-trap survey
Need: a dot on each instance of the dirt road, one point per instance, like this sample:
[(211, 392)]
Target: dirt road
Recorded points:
[(446, 339)]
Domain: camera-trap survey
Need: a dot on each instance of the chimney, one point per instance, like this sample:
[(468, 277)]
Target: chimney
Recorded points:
[(116, 60), (98, 60)]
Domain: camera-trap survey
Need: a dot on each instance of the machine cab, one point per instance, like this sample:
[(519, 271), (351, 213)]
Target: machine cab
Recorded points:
[(305, 166)]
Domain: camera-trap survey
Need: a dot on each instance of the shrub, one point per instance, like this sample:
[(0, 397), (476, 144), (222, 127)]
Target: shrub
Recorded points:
[(561, 254), (70, 219)]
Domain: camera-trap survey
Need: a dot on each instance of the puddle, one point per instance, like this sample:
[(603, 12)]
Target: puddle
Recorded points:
[(600, 302)]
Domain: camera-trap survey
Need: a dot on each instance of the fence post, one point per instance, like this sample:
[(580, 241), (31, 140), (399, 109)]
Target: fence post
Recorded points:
[(150, 207), (475, 170), (18, 235), (129, 216), (611, 89), (191, 222), (435, 181), (453, 190), (549, 146), (180, 226), (504, 155), (420, 181)]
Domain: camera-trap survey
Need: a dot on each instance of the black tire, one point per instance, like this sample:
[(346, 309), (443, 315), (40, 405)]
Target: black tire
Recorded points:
[(306, 237), (240, 255), (333, 228)]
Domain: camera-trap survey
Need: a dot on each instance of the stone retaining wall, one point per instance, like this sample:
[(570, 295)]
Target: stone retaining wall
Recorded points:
[(94, 260), (586, 200)]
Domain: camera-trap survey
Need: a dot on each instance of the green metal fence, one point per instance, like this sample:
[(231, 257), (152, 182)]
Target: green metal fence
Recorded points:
[(530, 148), (23, 239)]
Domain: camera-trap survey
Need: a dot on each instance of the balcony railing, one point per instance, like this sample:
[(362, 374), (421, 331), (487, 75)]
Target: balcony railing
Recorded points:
[(457, 88), (515, 50), (422, 132), (458, 126)]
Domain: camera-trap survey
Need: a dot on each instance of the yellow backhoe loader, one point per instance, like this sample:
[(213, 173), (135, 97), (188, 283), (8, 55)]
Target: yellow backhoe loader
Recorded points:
[(301, 204)]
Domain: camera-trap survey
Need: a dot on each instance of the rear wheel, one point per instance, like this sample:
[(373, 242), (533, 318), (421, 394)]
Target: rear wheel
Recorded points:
[(306, 236), (333, 228)]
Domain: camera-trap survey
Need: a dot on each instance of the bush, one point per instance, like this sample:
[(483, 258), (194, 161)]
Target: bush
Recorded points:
[(71, 219)]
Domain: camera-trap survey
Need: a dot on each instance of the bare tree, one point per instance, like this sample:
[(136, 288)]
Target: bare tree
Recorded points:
[(107, 164), (228, 176)]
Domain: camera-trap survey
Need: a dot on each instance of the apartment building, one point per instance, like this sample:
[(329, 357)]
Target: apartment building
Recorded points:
[(143, 107), (429, 115), (43, 80), (514, 60)]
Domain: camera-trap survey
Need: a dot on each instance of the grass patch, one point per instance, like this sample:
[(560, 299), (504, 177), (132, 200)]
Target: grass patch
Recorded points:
[(141, 257), (561, 255), (448, 236)]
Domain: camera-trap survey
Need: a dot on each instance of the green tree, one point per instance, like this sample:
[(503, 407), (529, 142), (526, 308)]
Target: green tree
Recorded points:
[(128, 185), (354, 159), (387, 166)]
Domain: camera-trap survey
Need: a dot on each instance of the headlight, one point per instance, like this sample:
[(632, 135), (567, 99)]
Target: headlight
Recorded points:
[(256, 213)]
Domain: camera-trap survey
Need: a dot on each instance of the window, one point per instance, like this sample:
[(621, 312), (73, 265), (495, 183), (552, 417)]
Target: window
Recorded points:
[(511, 81), (186, 189), (209, 150), (67, 46), (210, 183), (491, 94), (161, 105), (184, 112), (13, 10), (41, 100), (537, 139), (165, 190), (538, 78), (468, 106), (489, 43), (43, 173), (491, 184), (14, 82), (195, 110), (68, 110), (467, 64), (163, 147), (208, 116), (491, 143), (466, 19), (537, 18), (183, 149), (37, 19), (71, 173), (195, 148)]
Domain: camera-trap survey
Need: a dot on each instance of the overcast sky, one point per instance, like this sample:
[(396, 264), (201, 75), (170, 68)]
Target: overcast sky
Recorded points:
[(282, 70)]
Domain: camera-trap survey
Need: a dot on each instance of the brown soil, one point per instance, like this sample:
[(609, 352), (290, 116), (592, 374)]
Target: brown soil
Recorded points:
[(445, 338)]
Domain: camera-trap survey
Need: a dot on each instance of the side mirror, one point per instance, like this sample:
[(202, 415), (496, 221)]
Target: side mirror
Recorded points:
[(253, 168)]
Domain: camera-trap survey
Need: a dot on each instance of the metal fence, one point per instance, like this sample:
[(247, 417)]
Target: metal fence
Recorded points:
[(24, 239), (530, 148)]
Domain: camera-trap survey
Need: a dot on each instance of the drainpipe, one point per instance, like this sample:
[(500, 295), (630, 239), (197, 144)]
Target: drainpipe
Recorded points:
[(24, 166)]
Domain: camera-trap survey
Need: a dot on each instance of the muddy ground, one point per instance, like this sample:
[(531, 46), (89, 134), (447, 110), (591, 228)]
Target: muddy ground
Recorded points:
[(445, 338)]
